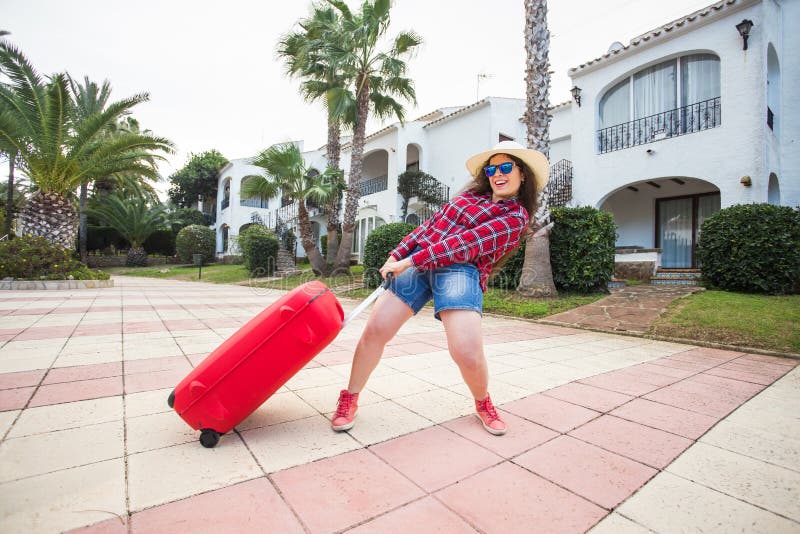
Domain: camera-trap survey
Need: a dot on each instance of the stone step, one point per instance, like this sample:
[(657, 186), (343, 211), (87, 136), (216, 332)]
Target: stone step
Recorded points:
[(688, 274), (665, 281)]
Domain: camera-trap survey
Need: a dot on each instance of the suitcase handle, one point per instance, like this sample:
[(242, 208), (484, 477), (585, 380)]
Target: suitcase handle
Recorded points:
[(369, 300)]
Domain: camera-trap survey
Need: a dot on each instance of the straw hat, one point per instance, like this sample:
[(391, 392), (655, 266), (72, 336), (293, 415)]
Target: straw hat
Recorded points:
[(535, 160)]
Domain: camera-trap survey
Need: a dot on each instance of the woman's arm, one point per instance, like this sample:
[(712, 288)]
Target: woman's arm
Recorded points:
[(409, 242)]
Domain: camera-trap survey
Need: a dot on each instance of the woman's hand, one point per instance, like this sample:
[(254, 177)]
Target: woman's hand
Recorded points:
[(395, 266)]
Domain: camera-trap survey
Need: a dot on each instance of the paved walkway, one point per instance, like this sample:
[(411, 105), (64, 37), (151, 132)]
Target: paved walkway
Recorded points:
[(614, 433), (631, 309)]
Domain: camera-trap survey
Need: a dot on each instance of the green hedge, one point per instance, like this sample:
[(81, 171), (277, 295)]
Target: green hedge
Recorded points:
[(582, 249), (36, 258), (161, 242), (196, 239), (379, 244), (259, 247), (752, 248), (581, 252), (103, 237)]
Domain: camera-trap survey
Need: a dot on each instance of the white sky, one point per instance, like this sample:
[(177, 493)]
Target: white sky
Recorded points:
[(214, 82)]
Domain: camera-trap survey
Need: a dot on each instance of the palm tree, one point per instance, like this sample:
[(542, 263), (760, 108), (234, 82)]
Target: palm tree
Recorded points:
[(135, 218), (57, 150), (303, 53), (374, 78), (537, 274), (286, 173), (89, 99)]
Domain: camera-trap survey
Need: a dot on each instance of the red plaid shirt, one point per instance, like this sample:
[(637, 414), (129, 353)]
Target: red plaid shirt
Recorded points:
[(468, 229)]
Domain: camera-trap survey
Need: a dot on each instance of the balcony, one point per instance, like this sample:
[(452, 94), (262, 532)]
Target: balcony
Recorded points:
[(374, 185), (673, 123)]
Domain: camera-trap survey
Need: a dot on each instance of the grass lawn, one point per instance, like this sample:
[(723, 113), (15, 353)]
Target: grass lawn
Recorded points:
[(760, 321), (217, 273)]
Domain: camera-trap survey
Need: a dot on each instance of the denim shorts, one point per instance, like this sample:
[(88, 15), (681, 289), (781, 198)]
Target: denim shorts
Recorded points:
[(456, 287)]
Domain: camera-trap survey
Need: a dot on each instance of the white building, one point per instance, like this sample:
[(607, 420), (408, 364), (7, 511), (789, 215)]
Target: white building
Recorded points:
[(665, 131)]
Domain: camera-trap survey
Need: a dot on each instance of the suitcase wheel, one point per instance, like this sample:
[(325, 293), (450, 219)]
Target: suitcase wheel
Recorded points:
[(171, 400), (209, 438)]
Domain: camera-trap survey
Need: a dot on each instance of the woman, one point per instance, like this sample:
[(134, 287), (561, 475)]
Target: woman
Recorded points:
[(452, 255)]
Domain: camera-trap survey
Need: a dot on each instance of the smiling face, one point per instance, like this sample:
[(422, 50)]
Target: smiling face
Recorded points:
[(504, 186)]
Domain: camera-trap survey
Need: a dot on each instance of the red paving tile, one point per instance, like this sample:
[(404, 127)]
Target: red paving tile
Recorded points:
[(252, 506), (738, 388), (521, 436), (77, 391), (103, 329), (45, 332), (698, 397), (15, 399), (763, 358), (600, 476), (143, 327), (420, 517), (744, 376), (551, 413), (155, 380), (82, 372), (508, 498), (689, 367), (184, 324), (621, 382), (688, 424), (342, 491), (21, 379), (439, 457), (588, 396), (650, 446)]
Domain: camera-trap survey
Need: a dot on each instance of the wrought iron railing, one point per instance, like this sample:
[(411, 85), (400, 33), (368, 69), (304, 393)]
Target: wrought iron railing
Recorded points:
[(681, 121), (559, 187), (226, 201), (374, 185), (287, 213)]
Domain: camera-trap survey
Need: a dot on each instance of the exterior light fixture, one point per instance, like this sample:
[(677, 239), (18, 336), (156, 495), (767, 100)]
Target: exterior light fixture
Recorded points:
[(744, 30), (576, 95), (746, 181)]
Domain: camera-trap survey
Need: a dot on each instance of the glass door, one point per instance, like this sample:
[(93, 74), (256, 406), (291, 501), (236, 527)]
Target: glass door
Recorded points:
[(678, 227)]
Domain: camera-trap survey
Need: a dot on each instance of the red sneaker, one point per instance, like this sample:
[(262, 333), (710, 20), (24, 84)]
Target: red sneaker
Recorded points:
[(345, 415), (488, 416)]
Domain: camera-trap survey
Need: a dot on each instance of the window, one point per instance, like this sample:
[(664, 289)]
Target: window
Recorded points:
[(671, 98), (504, 137)]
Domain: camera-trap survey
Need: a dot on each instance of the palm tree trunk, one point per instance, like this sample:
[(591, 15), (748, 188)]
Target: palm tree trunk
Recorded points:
[(307, 240), (83, 231), (334, 151), (537, 273), (10, 195), (354, 182)]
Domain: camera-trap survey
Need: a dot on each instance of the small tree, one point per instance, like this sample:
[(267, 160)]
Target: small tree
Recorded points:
[(259, 246), (418, 184), (197, 179), (134, 219), (380, 243)]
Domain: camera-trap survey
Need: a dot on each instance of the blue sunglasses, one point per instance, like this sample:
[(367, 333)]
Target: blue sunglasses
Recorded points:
[(505, 168)]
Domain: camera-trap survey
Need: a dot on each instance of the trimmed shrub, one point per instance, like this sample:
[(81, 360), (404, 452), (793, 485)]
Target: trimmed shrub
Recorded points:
[(161, 242), (195, 239), (752, 248), (582, 249), (323, 246), (36, 258), (379, 244), (259, 247)]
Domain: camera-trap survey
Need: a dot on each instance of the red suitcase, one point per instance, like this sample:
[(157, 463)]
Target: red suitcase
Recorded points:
[(251, 365)]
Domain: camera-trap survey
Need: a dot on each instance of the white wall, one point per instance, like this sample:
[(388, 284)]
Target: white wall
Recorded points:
[(721, 155)]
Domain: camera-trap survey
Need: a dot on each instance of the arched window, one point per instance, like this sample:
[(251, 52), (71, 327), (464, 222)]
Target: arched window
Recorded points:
[(226, 193), (774, 190), (671, 98), (773, 90)]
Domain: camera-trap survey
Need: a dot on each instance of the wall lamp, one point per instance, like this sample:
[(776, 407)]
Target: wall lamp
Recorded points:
[(576, 95), (744, 30)]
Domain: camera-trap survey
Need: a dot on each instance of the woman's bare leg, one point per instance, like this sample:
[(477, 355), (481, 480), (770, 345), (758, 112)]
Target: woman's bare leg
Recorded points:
[(465, 342), (386, 318)]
